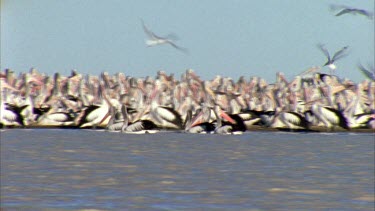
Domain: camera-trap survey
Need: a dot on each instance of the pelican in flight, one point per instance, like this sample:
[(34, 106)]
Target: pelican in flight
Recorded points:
[(353, 11), (330, 61), (157, 40)]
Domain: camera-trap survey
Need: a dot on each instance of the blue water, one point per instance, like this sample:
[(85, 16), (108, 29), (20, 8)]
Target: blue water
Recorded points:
[(62, 169)]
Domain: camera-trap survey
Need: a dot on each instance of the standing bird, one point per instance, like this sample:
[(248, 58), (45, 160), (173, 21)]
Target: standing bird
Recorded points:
[(354, 11), (157, 40), (290, 120), (136, 127), (202, 122), (234, 125), (330, 61), (330, 117)]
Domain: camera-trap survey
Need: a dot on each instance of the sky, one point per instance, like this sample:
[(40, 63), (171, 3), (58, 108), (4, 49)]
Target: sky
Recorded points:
[(231, 38)]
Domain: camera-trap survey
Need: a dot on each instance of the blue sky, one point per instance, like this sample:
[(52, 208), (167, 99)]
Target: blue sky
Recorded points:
[(224, 37)]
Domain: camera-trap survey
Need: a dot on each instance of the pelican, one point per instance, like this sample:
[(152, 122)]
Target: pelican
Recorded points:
[(290, 120), (362, 120), (329, 116), (56, 118), (201, 123), (28, 112), (163, 116), (234, 125), (157, 40), (96, 115), (10, 115), (139, 126), (249, 118), (116, 121)]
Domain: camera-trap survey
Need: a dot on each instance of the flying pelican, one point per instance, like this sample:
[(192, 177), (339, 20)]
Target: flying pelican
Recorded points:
[(157, 40), (353, 11), (330, 61)]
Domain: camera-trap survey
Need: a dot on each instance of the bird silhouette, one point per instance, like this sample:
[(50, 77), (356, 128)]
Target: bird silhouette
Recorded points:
[(350, 10), (158, 40), (330, 61)]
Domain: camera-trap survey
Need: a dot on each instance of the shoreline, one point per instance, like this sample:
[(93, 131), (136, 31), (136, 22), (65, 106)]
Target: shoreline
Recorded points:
[(254, 128)]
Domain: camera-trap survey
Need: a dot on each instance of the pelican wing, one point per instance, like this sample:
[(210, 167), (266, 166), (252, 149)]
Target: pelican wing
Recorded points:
[(135, 127), (170, 115), (339, 54), (336, 116)]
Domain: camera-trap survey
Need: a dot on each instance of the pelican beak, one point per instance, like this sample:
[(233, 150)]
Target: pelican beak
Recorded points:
[(197, 120), (337, 89), (105, 117), (154, 92), (227, 117)]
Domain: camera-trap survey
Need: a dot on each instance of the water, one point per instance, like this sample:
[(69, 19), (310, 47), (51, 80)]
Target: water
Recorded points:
[(53, 169)]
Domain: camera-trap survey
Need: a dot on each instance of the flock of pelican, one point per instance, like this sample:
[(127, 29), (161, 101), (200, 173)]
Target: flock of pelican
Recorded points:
[(221, 105)]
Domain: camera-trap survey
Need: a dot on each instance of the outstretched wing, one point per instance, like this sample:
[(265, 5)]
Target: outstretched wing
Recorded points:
[(148, 32), (367, 73), (354, 11), (365, 13), (185, 50), (324, 50), (339, 54), (344, 11)]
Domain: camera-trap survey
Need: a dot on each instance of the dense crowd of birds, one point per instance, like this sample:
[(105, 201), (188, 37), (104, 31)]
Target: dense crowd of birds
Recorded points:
[(221, 105)]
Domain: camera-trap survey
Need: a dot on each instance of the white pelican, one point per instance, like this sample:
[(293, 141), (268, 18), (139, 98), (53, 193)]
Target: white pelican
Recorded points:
[(139, 126), (234, 125), (289, 120), (96, 115), (329, 116), (163, 116), (116, 121), (10, 115), (56, 118), (202, 122)]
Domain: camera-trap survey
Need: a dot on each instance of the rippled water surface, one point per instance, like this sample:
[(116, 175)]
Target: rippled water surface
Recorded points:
[(56, 169)]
